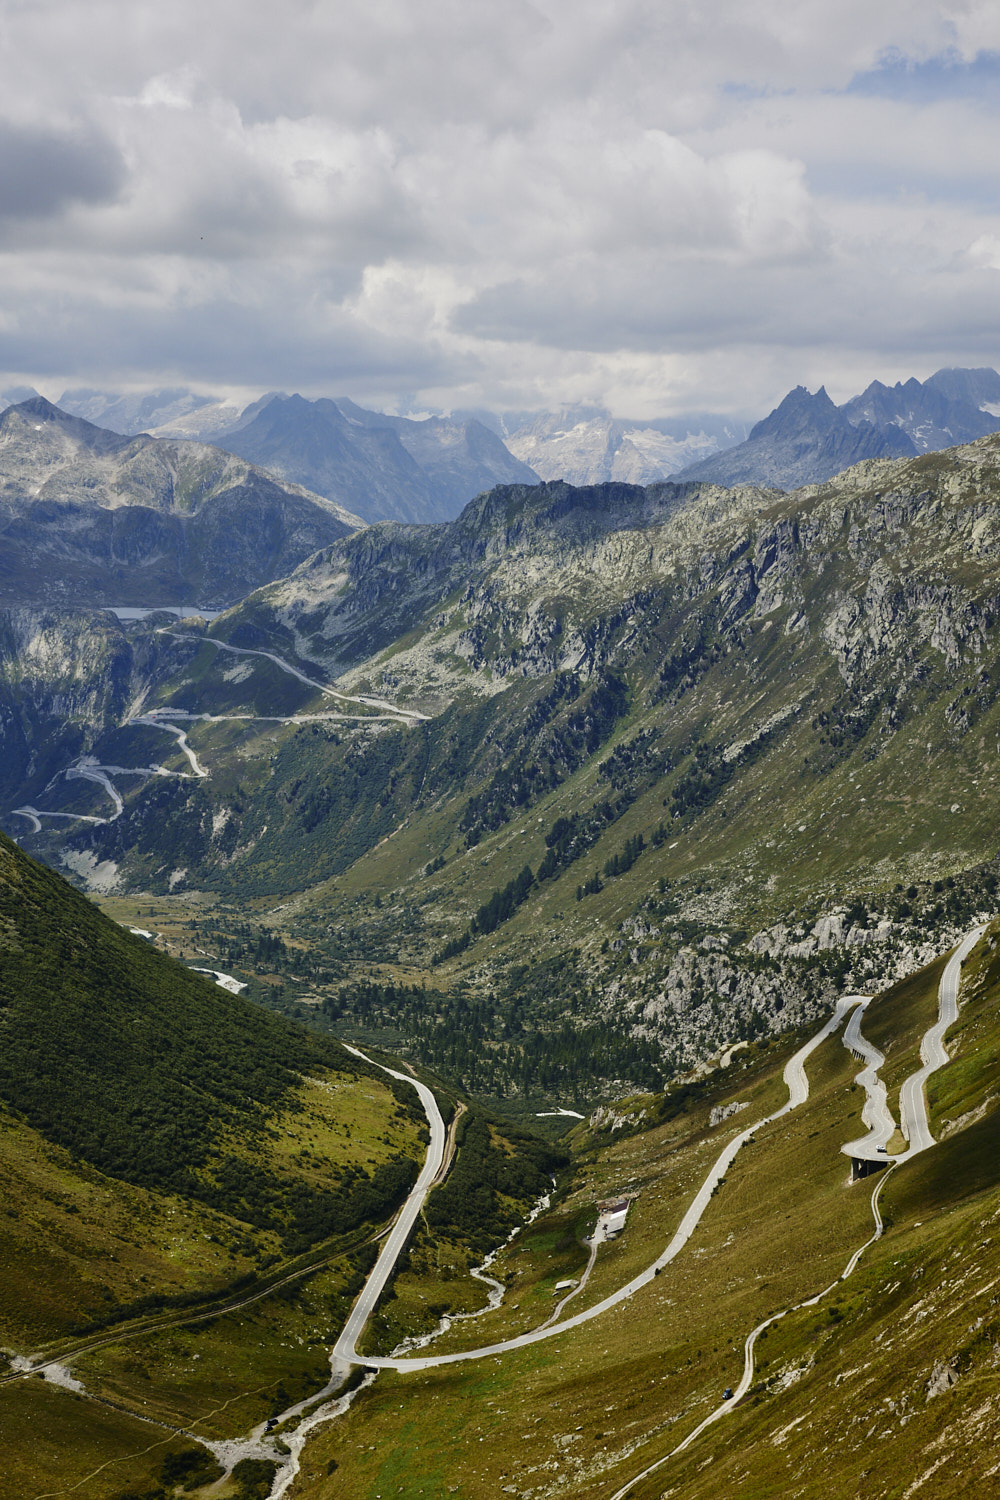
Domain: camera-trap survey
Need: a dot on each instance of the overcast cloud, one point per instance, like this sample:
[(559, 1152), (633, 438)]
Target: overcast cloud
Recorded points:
[(654, 205)]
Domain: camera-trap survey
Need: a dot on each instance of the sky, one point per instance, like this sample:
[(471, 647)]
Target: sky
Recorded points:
[(657, 206)]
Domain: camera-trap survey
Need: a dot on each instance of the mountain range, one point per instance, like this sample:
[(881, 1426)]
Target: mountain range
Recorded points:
[(593, 800), (87, 515), (807, 439), (379, 467), (384, 467), (585, 445), (482, 748)]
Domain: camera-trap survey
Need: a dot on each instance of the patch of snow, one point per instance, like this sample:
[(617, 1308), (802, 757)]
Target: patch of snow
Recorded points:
[(224, 981)]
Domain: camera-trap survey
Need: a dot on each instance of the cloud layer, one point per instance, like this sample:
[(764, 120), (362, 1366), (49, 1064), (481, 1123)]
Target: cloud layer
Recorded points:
[(645, 203)]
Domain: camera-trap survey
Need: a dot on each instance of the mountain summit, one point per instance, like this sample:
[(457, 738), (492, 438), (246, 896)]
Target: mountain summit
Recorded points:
[(383, 467), (89, 515), (807, 439)]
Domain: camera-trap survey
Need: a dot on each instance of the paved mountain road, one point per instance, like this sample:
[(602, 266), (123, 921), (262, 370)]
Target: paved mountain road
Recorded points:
[(404, 715), (913, 1109), (798, 1092), (912, 1099), (344, 1351), (876, 1113)]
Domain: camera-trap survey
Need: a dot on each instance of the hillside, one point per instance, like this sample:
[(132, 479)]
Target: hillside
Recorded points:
[(656, 769), (91, 517), (192, 1190), (593, 799), (151, 1075), (165, 1148), (882, 1385)]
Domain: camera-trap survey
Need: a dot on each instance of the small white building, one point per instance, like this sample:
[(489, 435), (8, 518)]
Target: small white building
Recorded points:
[(613, 1216)]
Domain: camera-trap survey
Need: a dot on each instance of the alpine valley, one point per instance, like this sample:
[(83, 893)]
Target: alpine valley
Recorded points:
[(578, 851)]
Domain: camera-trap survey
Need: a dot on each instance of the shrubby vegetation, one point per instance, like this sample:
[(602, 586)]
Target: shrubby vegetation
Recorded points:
[(493, 1164), (576, 721), (143, 1068), (528, 1040)]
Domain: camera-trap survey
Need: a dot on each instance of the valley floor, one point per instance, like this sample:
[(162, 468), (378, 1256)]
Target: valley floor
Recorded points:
[(625, 1394)]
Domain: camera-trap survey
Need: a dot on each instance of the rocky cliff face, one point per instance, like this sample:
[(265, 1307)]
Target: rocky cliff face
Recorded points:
[(67, 678), (88, 516)]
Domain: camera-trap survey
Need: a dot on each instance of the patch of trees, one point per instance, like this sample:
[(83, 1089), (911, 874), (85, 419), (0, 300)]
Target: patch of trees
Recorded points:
[(502, 905), (528, 1039), (619, 863), (636, 763), (496, 909), (702, 780), (492, 1165), (564, 729)]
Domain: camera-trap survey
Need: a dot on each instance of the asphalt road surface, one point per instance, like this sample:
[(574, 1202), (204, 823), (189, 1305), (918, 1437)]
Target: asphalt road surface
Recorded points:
[(798, 1092), (395, 1241), (912, 1100)]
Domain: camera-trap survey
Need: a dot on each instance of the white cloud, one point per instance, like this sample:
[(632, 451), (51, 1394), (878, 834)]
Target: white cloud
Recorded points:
[(638, 201)]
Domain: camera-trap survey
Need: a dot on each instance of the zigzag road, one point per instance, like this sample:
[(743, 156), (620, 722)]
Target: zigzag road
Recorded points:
[(913, 1109), (798, 1093), (160, 718)]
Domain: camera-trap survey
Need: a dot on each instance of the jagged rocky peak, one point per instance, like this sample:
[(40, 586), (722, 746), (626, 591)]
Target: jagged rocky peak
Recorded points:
[(807, 439), (21, 425), (799, 412)]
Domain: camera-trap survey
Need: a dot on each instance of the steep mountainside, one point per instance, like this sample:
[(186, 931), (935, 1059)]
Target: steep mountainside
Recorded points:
[(460, 455), (88, 515), (384, 468), (130, 1086), (648, 769)]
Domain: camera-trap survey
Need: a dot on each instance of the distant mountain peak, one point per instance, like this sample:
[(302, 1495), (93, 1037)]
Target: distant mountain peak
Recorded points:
[(380, 466), (807, 439)]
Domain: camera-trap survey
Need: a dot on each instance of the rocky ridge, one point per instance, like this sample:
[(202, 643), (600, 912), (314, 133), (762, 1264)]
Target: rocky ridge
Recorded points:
[(88, 515), (675, 735)]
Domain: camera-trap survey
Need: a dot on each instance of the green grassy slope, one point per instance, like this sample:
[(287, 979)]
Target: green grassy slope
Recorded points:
[(841, 1403), (166, 1149)]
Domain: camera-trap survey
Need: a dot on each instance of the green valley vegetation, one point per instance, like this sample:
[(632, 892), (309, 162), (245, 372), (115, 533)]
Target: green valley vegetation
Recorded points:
[(644, 799), (888, 1376)]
